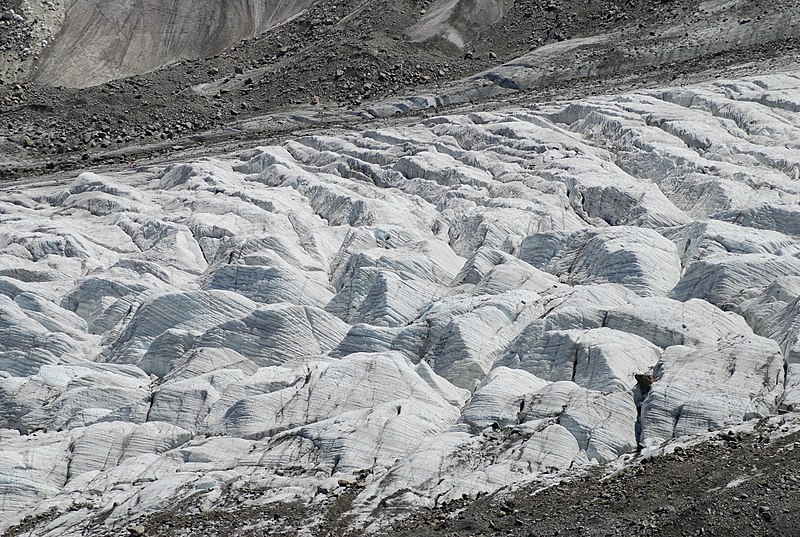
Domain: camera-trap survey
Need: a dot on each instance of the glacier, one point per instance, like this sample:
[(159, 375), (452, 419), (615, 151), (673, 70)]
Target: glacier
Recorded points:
[(422, 312)]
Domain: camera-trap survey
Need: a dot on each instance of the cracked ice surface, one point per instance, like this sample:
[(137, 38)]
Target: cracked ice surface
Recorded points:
[(431, 310)]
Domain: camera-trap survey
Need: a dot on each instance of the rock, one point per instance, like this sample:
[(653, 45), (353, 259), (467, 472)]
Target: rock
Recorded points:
[(190, 36)]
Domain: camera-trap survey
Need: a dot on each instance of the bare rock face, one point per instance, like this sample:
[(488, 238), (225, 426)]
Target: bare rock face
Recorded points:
[(420, 312), (458, 21)]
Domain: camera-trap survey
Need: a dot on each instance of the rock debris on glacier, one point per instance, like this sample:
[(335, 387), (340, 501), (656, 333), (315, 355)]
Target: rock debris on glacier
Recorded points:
[(428, 311)]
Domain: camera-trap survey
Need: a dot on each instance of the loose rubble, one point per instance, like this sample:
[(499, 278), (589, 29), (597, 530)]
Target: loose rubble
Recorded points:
[(377, 56)]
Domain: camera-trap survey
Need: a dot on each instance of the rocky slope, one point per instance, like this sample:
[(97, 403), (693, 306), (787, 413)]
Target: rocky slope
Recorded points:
[(400, 317), (338, 62), (741, 482)]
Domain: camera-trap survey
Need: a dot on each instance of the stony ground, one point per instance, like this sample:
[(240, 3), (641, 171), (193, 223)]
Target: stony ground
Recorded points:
[(737, 484), (336, 56)]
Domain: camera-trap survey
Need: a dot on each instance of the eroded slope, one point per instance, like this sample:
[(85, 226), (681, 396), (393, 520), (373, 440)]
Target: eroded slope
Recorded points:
[(102, 41)]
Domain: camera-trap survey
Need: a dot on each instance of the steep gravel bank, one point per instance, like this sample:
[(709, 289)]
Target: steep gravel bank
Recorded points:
[(736, 484)]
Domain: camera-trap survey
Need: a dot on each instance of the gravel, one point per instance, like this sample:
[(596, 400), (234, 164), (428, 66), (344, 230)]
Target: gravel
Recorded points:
[(736, 484)]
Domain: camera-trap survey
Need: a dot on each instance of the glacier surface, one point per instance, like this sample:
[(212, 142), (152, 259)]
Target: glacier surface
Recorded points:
[(422, 312)]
